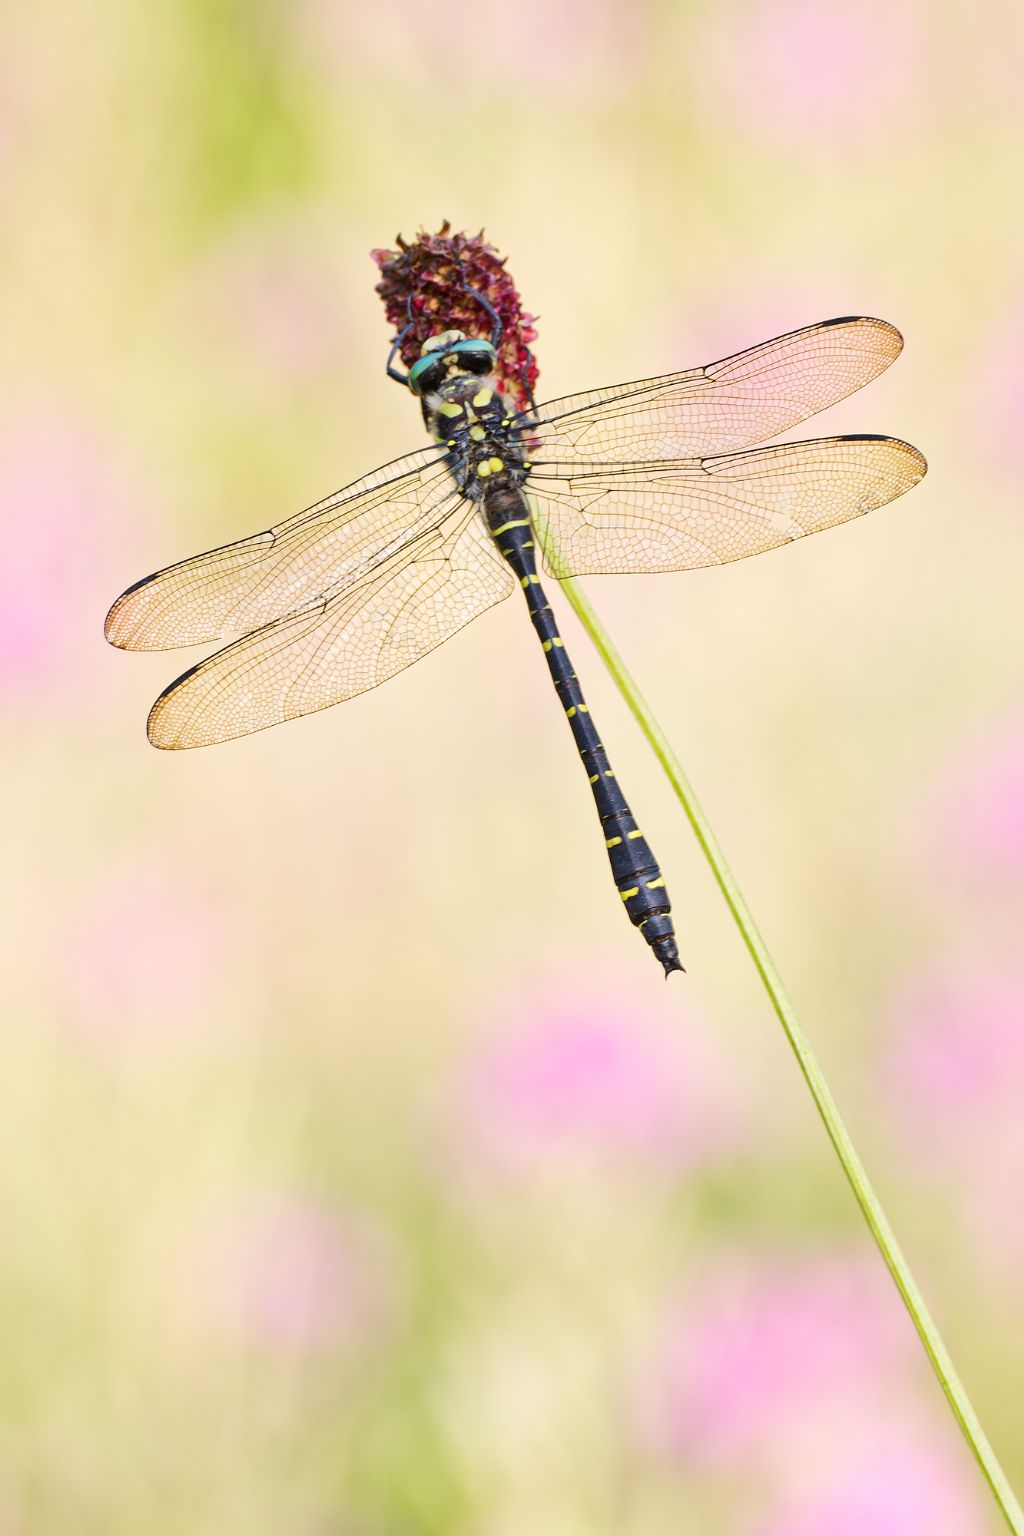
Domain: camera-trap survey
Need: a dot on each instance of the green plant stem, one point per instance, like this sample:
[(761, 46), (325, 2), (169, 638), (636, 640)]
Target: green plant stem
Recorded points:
[(852, 1166)]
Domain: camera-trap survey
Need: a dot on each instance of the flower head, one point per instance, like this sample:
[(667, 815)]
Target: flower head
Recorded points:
[(897, 1481), (812, 75), (573, 1081), (978, 814), (63, 486), (294, 1277), (427, 286), (955, 1065), (761, 1356)]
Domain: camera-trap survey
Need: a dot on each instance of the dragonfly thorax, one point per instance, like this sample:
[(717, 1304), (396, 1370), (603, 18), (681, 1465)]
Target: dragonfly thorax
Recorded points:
[(469, 416)]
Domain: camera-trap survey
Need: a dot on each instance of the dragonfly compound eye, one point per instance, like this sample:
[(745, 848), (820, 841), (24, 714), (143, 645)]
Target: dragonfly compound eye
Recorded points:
[(475, 356), (428, 373)]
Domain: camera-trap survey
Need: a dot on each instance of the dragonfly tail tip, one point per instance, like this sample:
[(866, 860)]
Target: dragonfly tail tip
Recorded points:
[(665, 949)]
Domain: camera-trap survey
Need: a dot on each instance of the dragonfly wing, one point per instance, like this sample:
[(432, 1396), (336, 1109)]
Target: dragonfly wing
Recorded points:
[(407, 604), (608, 519), (719, 408), (239, 587)]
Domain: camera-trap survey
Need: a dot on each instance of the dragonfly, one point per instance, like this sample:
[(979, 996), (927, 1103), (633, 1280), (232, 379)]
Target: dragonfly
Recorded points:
[(663, 474)]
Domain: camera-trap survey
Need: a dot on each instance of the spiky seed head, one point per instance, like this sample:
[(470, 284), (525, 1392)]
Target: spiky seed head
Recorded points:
[(425, 280)]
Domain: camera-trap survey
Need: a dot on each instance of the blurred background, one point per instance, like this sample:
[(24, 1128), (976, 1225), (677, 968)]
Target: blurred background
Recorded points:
[(352, 1182)]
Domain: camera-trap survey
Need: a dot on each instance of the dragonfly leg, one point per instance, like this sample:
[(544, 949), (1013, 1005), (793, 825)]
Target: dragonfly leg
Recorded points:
[(498, 330), (396, 346), (393, 373)]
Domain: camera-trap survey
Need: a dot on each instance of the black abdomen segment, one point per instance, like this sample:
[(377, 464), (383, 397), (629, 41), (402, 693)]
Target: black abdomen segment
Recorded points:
[(639, 881)]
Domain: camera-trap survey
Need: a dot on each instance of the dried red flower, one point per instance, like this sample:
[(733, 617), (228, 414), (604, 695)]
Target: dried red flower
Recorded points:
[(426, 282)]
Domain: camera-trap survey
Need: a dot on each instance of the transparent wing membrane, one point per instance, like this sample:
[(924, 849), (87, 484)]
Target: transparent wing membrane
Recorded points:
[(408, 604), (238, 587), (724, 406), (659, 475), (678, 515)]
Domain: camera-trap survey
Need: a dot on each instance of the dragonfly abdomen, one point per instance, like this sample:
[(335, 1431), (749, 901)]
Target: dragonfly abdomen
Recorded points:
[(635, 870)]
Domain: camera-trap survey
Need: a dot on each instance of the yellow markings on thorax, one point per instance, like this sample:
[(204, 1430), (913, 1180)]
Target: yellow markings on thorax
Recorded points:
[(477, 434), (483, 397), (490, 467), (450, 409)]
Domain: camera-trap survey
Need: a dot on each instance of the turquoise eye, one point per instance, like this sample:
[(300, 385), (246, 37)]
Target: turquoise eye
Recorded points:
[(478, 356), (429, 372), (426, 373)]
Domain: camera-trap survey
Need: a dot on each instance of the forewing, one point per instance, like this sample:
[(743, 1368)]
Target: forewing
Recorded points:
[(724, 406), (239, 587), (406, 605), (677, 516)]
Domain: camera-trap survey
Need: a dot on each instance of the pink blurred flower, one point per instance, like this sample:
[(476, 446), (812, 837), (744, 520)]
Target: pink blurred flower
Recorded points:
[(957, 1051), (955, 1068), (270, 297), (763, 1359), (995, 398), (727, 315), (146, 956), (587, 45), (808, 73), (294, 1278), (568, 1077), (898, 1484), (11, 130), (61, 494), (978, 813)]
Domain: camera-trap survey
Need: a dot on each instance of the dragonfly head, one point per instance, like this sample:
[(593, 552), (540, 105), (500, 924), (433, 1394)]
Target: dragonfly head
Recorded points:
[(447, 355)]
